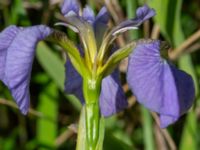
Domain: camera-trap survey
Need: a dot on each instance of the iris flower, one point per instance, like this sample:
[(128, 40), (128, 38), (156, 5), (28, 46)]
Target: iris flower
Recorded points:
[(155, 82)]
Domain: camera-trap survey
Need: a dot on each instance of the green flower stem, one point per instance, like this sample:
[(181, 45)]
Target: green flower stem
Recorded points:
[(91, 90), (92, 125)]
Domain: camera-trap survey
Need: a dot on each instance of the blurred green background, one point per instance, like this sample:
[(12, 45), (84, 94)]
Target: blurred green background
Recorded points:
[(52, 119)]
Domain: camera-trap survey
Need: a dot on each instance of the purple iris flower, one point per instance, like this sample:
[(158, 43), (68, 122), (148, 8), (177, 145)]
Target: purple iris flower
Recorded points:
[(156, 83), (112, 97)]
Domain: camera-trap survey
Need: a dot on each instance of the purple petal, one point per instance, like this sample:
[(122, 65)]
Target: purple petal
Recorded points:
[(70, 8), (112, 98), (100, 24), (167, 120), (6, 38), (157, 84), (88, 15), (103, 16), (73, 81), (19, 59), (142, 14)]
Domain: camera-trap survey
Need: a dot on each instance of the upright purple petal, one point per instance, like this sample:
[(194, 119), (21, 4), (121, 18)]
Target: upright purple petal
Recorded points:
[(142, 14), (100, 24), (70, 7), (19, 59), (88, 15), (112, 98), (157, 84), (103, 16)]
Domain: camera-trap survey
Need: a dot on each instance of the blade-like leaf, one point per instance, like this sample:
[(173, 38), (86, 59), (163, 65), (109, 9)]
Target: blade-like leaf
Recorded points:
[(61, 39), (81, 140), (48, 105), (116, 57)]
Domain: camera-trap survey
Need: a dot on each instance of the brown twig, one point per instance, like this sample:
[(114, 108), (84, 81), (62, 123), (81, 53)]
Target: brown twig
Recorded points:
[(64, 136), (31, 111), (178, 51), (117, 15), (165, 133), (155, 31), (131, 99), (115, 10), (125, 87), (193, 47), (160, 140), (29, 5), (123, 65), (54, 2), (146, 28)]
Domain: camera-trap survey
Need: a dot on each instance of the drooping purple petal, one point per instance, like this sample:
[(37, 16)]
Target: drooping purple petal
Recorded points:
[(73, 81), (19, 59), (158, 85), (142, 14), (112, 98), (6, 38), (70, 8), (88, 15)]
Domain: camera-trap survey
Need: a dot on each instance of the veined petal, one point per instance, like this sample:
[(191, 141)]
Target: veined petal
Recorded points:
[(88, 15), (157, 84), (142, 14), (70, 8), (6, 38), (112, 98), (19, 59)]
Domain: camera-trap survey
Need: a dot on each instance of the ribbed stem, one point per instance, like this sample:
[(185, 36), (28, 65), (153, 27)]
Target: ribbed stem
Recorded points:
[(91, 90), (92, 125)]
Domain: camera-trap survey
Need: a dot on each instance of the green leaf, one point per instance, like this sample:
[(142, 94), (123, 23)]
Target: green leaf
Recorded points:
[(115, 135), (116, 57), (51, 63), (10, 141), (61, 39), (81, 140), (17, 11), (162, 17), (101, 134), (112, 142), (131, 6), (147, 130), (48, 105), (189, 133)]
